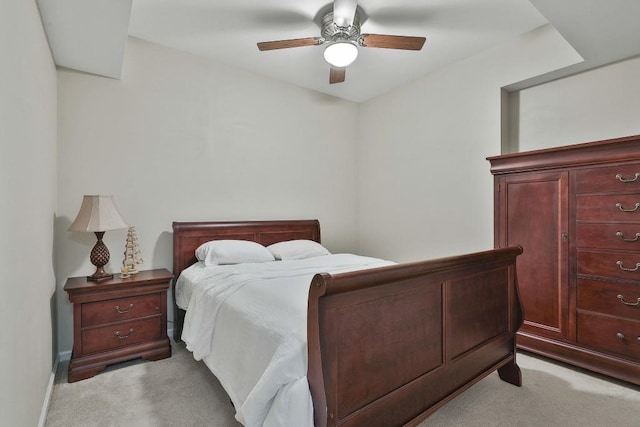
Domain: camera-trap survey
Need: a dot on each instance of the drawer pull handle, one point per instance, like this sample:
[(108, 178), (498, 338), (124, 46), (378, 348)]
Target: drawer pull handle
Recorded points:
[(121, 337), (620, 335), (117, 308), (621, 179), (622, 267), (620, 235), (619, 206), (621, 298)]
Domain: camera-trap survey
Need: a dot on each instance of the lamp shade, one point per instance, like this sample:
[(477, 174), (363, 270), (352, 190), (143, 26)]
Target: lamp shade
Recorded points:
[(341, 53), (98, 213)]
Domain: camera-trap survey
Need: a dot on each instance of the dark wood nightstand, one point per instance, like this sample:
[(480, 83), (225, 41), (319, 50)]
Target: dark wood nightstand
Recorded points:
[(118, 320)]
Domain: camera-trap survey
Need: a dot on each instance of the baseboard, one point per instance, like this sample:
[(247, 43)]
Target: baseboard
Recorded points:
[(63, 356), (47, 396)]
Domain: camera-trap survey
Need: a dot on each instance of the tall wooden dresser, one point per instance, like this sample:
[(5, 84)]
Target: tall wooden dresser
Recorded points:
[(575, 210)]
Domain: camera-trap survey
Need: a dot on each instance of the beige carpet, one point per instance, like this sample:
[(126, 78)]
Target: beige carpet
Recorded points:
[(181, 392)]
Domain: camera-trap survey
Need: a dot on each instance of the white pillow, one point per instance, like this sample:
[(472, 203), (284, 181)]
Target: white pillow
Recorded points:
[(297, 249), (221, 252)]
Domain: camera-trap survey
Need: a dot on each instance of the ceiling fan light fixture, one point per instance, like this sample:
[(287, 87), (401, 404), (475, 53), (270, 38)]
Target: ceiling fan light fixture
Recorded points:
[(341, 53)]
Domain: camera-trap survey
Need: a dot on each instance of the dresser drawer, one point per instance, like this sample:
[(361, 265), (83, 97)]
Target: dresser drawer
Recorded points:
[(121, 335), (622, 265), (608, 236), (102, 312), (615, 299), (618, 207), (611, 179), (609, 334)]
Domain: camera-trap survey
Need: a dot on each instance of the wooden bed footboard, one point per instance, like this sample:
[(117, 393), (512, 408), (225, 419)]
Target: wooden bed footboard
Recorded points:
[(389, 346)]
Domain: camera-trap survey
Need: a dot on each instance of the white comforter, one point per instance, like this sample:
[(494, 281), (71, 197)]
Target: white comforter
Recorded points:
[(249, 324)]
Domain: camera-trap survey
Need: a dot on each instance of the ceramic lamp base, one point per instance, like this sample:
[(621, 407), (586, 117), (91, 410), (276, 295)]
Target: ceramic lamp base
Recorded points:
[(99, 277), (99, 257)]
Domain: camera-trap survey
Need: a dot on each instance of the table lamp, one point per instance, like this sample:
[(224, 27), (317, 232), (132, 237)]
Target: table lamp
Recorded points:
[(98, 214)]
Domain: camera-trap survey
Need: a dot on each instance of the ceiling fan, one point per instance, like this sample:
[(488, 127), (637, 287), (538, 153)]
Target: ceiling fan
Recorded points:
[(340, 31)]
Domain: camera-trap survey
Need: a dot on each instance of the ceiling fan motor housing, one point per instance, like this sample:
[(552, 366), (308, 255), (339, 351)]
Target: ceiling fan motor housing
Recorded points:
[(331, 32)]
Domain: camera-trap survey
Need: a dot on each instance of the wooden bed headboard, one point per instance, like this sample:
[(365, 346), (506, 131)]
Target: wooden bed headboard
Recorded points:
[(187, 236)]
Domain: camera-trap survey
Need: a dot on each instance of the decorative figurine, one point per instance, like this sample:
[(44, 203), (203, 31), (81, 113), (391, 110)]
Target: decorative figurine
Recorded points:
[(132, 254)]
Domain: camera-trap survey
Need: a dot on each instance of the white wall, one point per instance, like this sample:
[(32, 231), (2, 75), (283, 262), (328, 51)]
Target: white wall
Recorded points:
[(425, 186), (599, 104), (28, 191), (182, 138), (402, 176)]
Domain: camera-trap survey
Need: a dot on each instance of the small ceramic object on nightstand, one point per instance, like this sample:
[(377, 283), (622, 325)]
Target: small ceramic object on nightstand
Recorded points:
[(132, 254)]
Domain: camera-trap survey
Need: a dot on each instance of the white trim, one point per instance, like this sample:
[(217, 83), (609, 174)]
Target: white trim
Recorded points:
[(48, 393), (63, 356)]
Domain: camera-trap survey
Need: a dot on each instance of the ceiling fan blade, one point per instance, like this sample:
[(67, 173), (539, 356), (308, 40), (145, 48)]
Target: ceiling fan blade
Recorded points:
[(336, 75), (392, 42), (344, 11), (284, 44)]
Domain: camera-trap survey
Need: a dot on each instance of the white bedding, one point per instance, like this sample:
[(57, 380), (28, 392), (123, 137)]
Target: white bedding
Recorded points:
[(248, 323)]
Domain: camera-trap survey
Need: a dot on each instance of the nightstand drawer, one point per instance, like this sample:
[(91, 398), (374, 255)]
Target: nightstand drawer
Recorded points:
[(102, 312), (122, 334), (615, 299), (621, 265), (624, 236), (619, 207), (609, 334), (613, 179)]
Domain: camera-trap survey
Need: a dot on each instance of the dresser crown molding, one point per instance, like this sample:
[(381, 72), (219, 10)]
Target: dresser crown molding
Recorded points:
[(585, 154)]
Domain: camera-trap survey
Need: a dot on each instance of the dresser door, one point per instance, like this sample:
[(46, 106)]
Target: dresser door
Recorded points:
[(532, 211)]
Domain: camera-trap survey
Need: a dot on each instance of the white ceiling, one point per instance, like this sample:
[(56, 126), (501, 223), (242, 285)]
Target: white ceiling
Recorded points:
[(228, 30), (87, 35)]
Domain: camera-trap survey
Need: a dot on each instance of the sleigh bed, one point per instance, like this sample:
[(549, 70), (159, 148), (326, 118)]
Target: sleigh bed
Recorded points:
[(388, 346)]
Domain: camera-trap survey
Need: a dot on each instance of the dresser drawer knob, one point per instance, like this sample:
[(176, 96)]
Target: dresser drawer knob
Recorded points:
[(121, 337), (117, 308), (620, 336), (620, 178), (622, 267), (619, 206), (620, 235), (621, 298)]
